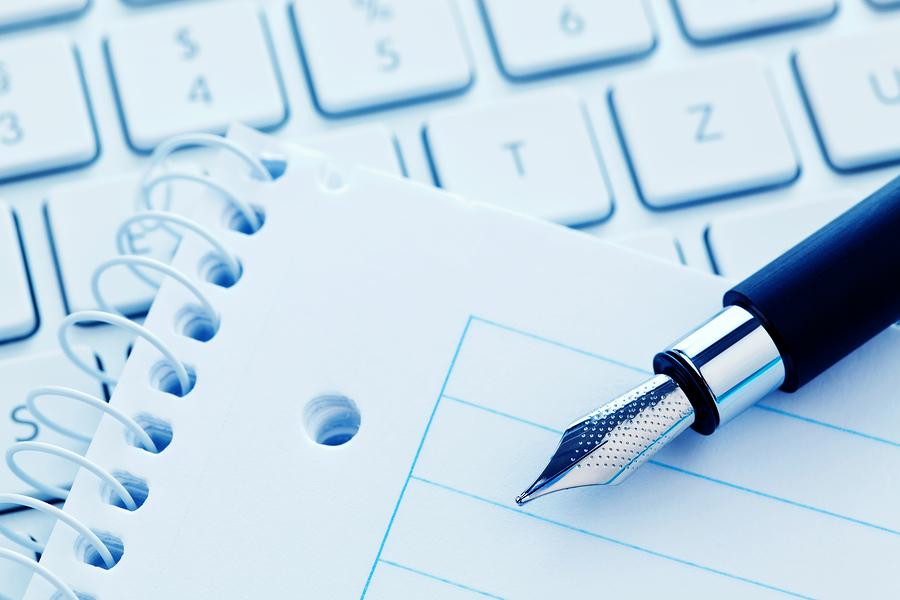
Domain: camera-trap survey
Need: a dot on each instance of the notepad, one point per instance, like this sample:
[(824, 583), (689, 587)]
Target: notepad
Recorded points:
[(447, 344)]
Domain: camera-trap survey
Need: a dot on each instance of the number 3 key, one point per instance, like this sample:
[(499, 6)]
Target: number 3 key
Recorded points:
[(45, 120)]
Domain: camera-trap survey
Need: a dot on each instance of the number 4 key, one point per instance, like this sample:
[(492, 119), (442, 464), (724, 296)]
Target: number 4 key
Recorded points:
[(198, 68)]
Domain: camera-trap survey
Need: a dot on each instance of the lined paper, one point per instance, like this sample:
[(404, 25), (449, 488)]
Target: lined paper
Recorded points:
[(466, 358), (795, 498)]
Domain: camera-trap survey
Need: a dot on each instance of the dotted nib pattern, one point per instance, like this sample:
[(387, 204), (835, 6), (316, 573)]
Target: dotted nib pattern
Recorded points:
[(622, 435), (607, 445)]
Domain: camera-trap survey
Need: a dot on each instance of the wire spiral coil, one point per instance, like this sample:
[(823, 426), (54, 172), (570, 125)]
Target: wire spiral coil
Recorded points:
[(150, 217)]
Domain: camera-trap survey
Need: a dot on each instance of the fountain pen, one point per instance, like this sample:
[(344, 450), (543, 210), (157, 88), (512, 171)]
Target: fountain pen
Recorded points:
[(779, 328)]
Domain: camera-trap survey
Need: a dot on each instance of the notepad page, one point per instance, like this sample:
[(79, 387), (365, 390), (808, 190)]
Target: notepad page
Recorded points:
[(777, 503), (469, 338)]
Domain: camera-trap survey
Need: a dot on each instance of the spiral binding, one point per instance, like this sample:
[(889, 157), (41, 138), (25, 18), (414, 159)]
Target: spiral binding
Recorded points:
[(149, 218)]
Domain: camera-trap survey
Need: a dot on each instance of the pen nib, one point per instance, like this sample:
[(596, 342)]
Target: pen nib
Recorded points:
[(607, 445)]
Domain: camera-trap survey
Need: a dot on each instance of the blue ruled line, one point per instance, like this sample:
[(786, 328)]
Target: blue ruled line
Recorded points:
[(540, 338), (689, 473), (416, 456), (768, 496), (441, 579), (826, 424), (543, 427), (778, 411), (499, 413), (605, 538)]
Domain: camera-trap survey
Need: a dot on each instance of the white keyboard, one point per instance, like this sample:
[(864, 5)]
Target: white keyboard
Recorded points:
[(715, 133)]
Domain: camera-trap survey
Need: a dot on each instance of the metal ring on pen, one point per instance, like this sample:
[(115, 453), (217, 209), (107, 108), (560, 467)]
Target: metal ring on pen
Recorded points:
[(62, 590), (245, 209), (156, 265), (60, 452), (49, 509), (93, 316), (142, 437), (123, 237)]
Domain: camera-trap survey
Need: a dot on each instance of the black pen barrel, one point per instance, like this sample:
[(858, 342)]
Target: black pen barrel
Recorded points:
[(833, 291)]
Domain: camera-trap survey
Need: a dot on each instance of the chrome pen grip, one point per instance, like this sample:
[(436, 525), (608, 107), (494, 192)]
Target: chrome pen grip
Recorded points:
[(724, 366)]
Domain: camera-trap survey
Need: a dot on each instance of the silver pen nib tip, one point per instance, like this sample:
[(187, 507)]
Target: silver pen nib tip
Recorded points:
[(535, 490), (607, 445)]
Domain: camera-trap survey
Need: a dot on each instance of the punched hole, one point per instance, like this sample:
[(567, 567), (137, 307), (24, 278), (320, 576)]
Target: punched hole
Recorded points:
[(164, 378), (136, 486), (196, 323), (275, 164), (331, 420), (236, 220), (214, 270), (158, 430), (91, 556)]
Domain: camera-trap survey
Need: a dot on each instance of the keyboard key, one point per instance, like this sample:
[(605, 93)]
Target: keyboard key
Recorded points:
[(852, 85), (703, 132), (655, 242), (371, 145), (533, 154), (147, 2), (742, 243), (83, 219), (549, 36), (367, 54), (716, 20), (17, 315), (17, 424), (45, 120), (199, 68), (15, 13)]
